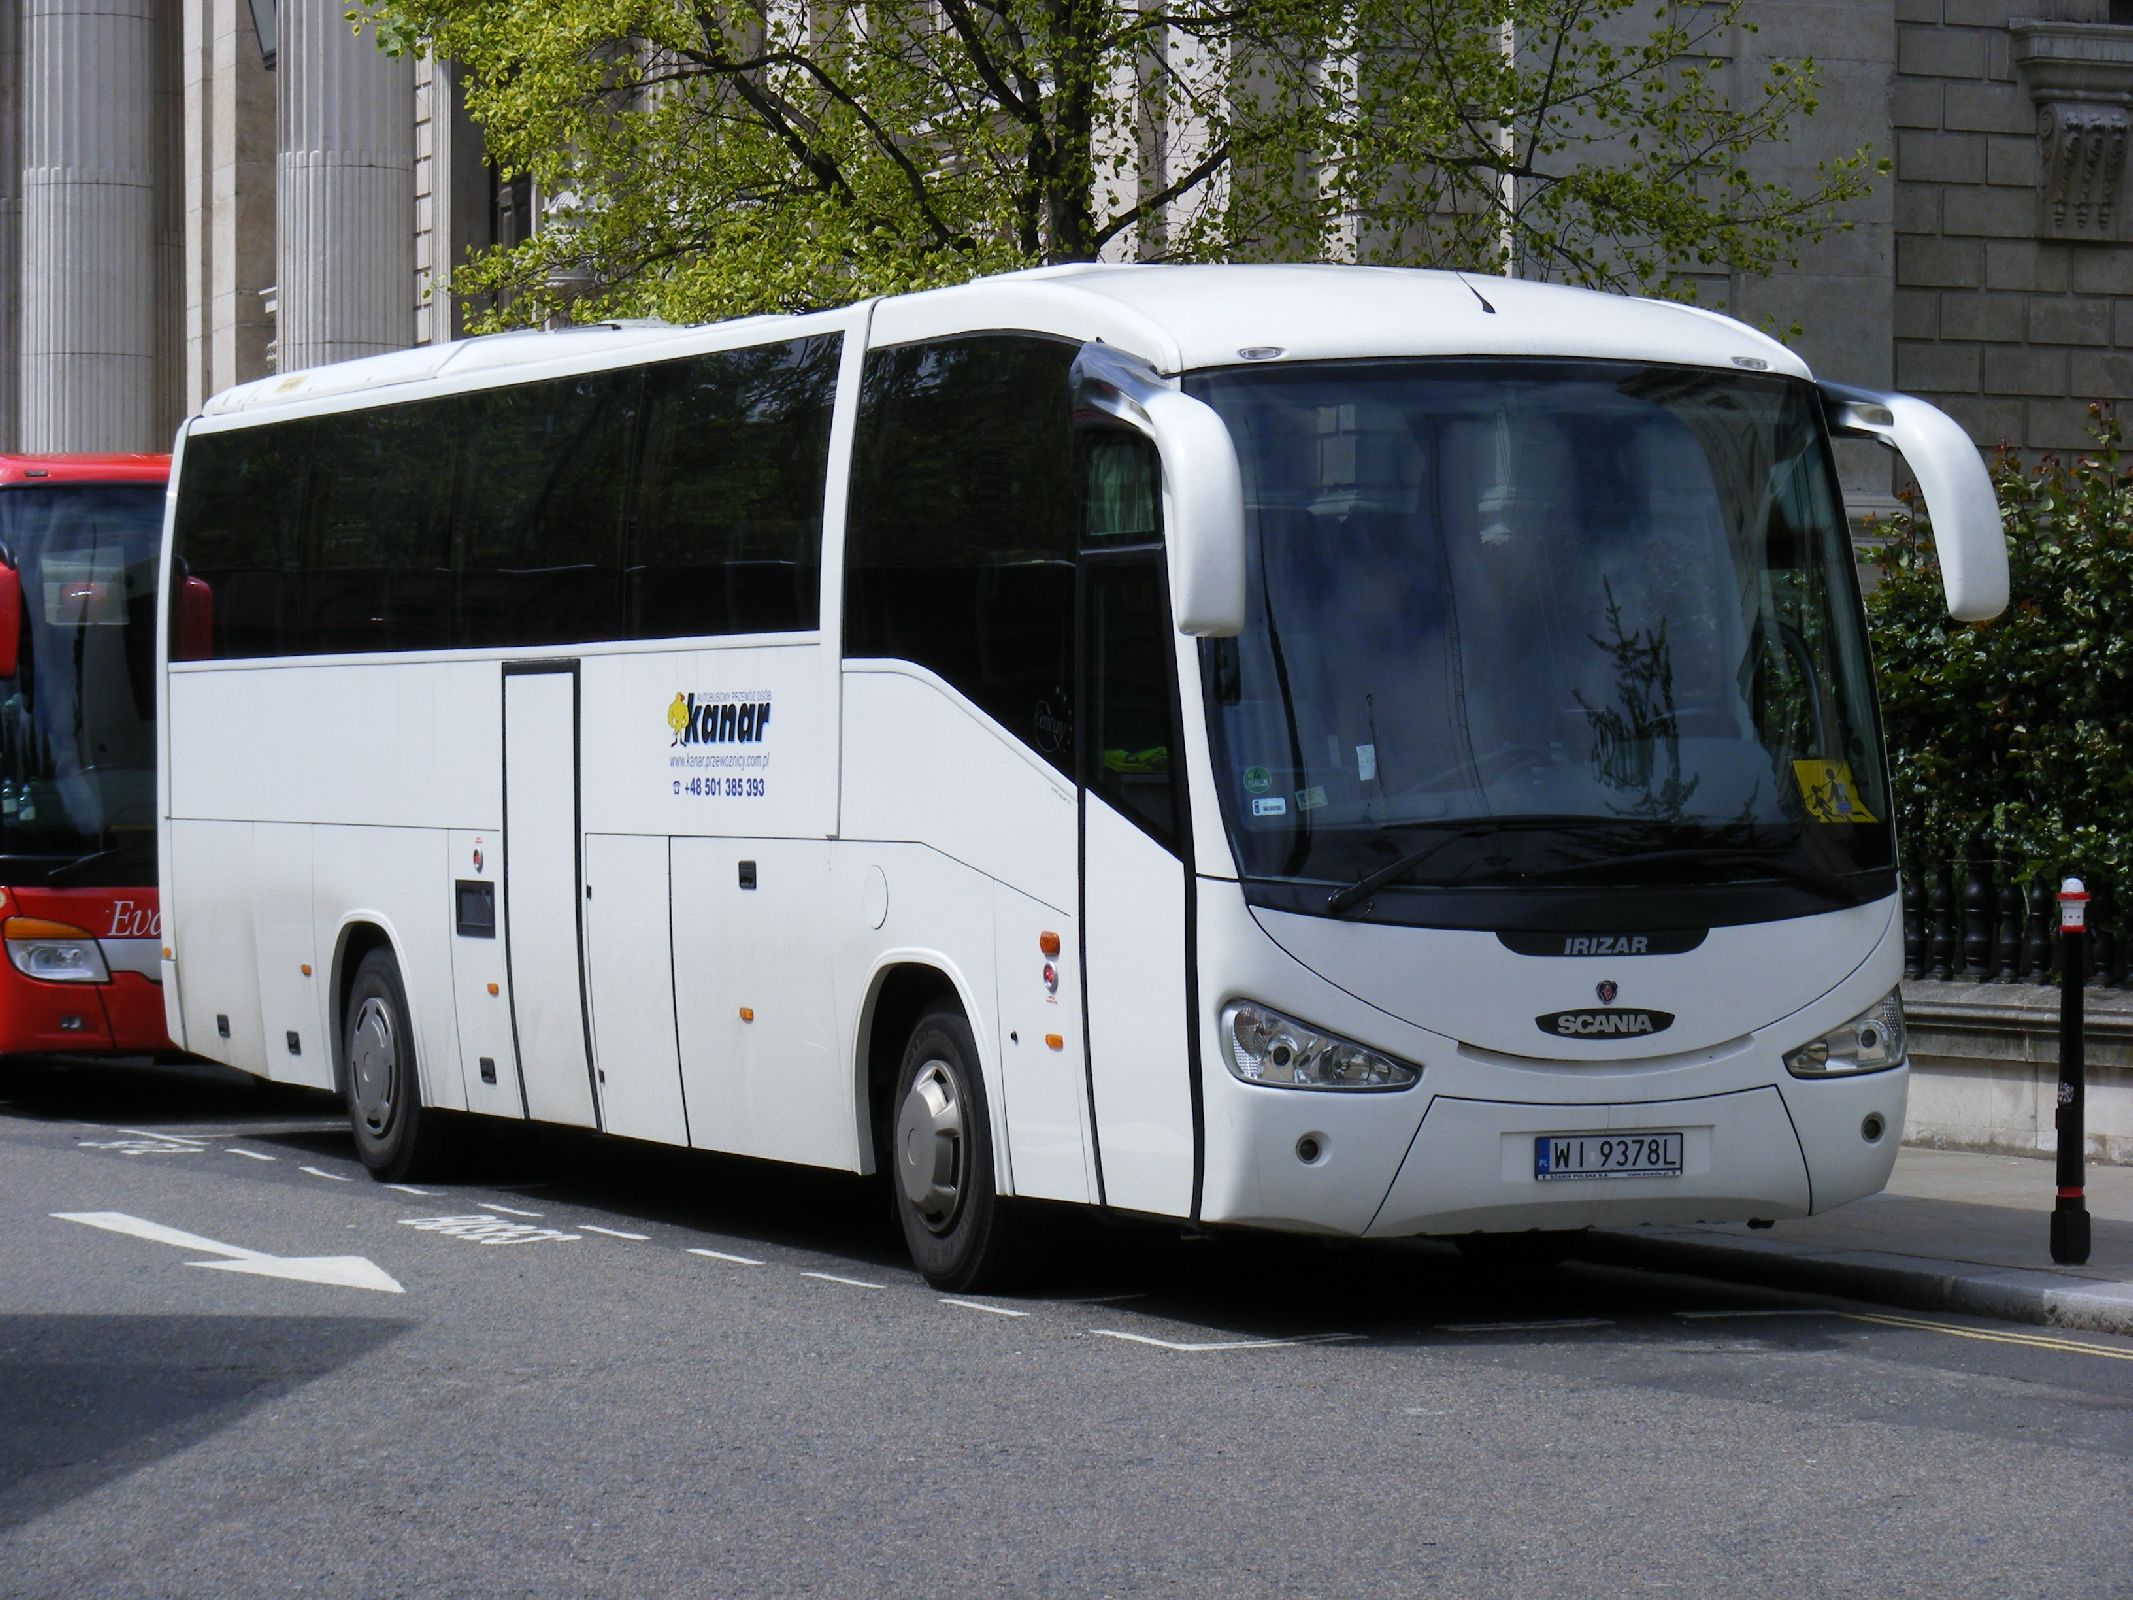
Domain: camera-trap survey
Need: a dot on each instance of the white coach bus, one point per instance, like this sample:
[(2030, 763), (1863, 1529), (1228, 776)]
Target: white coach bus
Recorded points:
[(1365, 752)]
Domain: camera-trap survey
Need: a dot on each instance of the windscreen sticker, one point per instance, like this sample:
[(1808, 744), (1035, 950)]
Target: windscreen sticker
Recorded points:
[(1270, 806), (1366, 762), (1312, 798), (1830, 794), (1257, 780)]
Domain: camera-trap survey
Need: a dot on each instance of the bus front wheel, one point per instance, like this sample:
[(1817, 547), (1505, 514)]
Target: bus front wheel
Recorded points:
[(961, 1233), (395, 1137)]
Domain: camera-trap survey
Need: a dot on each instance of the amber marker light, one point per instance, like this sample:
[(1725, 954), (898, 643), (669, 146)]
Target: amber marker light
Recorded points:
[(493, 989), (303, 966), (1048, 943), (40, 928), (1052, 1041), (747, 1013)]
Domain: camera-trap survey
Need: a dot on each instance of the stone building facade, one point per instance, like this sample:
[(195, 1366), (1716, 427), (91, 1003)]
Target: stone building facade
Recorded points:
[(196, 192)]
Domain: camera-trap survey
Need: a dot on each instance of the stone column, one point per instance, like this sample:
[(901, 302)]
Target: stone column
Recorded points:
[(10, 221), (89, 238), (346, 205), (228, 186)]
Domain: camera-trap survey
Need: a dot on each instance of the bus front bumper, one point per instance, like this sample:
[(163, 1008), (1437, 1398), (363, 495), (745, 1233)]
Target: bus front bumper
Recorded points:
[(1472, 1166), (121, 1017)]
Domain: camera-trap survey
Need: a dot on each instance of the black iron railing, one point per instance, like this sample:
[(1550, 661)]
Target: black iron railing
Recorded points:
[(1987, 920)]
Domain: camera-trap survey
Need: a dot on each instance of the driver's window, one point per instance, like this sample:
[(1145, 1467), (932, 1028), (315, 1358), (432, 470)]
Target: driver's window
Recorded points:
[(1129, 703)]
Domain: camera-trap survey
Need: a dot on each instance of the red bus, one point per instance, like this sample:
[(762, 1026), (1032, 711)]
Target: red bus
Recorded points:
[(80, 537)]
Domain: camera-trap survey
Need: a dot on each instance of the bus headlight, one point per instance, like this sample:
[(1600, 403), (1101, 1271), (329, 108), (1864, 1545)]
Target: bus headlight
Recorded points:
[(56, 952), (1870, 1042), (1267, 1047)]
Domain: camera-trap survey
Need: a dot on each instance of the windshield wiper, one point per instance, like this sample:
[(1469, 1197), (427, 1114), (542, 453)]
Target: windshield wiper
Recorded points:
[(1827, 884), (1477, 828), (95, 858)]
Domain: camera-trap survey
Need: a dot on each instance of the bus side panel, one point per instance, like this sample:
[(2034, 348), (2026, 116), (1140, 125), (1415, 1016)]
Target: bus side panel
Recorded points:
[(1044, 1087), (1140, 1058), (629, 954), (388, 878), (292, 1000), (933, 913), (479, 976), (756, 1002), (733, 741), (210, 873), (921, 763), (410, 744)]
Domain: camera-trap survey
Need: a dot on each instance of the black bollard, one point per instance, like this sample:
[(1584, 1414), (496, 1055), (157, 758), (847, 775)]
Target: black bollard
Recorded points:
[(2070, 1213)]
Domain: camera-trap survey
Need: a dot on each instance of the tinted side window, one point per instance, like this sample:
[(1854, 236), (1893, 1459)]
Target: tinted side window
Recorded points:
[(537, 521), (960, 550), (240, 509), (728, 529), (377, 561)]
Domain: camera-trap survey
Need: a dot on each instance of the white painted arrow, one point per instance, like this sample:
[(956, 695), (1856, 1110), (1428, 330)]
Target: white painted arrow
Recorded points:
[(350, 1272)]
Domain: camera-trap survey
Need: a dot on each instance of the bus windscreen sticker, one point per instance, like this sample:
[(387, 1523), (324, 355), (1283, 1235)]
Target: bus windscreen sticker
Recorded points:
[(1830, 794)]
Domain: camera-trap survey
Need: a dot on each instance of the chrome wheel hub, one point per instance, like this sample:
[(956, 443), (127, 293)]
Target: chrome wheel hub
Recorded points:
[(930, 1145), (373, 1057)]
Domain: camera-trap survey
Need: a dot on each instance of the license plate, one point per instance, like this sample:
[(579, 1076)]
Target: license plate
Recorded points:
[(1607, 1155)]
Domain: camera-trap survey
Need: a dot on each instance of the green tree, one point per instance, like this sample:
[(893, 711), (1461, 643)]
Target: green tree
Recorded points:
[(707, 158), (2019, 732)]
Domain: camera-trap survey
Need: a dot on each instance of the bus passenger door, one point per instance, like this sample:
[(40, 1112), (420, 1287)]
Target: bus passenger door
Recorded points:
[(544, 948), (1135, 872)]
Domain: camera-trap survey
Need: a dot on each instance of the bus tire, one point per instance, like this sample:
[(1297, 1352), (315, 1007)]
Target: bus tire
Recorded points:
[(962, 1235), (396, 1137)]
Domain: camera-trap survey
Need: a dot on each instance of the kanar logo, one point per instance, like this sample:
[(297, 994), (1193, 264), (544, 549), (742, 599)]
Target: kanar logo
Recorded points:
[(729, 719)]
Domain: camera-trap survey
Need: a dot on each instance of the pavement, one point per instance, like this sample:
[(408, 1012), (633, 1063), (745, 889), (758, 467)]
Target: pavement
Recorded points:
[(1954, 1231)]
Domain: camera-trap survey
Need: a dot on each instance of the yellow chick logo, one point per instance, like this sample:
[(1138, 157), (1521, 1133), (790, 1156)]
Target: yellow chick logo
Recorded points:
[(678, 715)]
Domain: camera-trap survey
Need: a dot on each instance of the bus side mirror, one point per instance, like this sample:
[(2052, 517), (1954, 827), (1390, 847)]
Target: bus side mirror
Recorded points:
[(10, 621), (192, 630), (1203, 488), (1965, 512)]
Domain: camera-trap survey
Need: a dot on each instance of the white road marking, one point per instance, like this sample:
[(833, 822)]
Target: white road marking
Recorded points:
[(141, 1142), (720, 1255), (487, 1230), (973, 1305), (1525, 1327), (408, 1188), (1109, 1299), (1226, 1344), (348, 1272), (614, 1233), (1788, 1311), (320, 1172), (249, 1155), (831, 1277), (509, 1211)]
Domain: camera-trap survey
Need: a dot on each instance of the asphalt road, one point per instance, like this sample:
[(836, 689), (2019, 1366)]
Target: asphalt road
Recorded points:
[(610, 1370)]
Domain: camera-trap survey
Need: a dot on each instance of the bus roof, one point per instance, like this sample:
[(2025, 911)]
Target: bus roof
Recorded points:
[(1177, 317), (16, 469)]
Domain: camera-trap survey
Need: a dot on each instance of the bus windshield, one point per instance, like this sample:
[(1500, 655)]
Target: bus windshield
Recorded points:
[(77, 720), (1568, 623)]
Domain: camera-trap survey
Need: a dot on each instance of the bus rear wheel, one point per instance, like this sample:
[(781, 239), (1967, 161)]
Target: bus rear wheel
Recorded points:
[(962, 1235), (394, 1135)]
